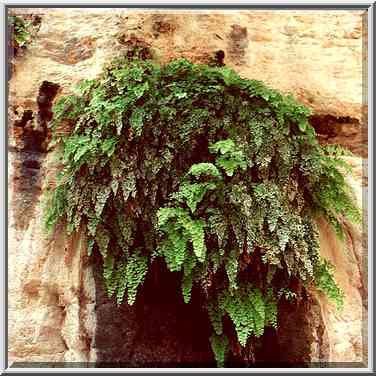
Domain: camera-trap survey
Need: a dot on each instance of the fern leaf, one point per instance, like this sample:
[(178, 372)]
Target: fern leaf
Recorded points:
[(135, 274)]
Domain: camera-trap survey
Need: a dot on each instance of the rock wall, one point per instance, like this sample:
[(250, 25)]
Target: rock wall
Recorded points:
[(347, 330), (57, 310), (51, 293)]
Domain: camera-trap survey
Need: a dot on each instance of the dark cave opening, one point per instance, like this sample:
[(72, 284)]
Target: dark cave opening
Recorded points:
[(290, 344), (162, 309), (160, 330)]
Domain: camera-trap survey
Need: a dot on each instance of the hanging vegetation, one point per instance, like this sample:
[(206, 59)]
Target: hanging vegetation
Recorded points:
[(218, 175)]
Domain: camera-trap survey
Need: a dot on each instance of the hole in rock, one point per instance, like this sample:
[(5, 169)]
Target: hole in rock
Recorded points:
[(32, 164), (329, 125), (46, 95), (290, 344), (160, 330), (346, 131), (220, 56), (31, 131), (26, 116)]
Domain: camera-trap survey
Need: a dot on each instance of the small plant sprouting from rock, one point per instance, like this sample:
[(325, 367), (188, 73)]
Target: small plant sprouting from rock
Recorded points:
[(218, 175), (21, 30)]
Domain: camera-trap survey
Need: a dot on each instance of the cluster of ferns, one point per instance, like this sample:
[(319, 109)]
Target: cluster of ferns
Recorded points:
[(220, 176)]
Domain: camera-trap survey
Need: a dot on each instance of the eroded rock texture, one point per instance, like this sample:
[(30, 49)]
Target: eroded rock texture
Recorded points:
[(51, 288), (347, 330), (57, 307)]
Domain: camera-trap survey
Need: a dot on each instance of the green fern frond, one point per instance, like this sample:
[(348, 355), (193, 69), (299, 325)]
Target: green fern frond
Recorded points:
[(220, 176)]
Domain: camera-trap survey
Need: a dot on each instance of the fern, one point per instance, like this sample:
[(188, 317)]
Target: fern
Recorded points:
[(187, 282), (128, 187), (287, 294), (136, 121), (231, 156), (102, 238), (122, 280), (197, 236), (216, 312), (174, 250), (206, 169), (101, 199), (108, 275), (219, 346), (135, 272), (184, 228), (220, 176), (232, 265), (21, 31), (324, 281), (192, 194), (246, 308)]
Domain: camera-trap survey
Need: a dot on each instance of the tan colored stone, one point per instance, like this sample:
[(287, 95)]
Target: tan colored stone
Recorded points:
[(47, 316), (345, 329), (305, 67)]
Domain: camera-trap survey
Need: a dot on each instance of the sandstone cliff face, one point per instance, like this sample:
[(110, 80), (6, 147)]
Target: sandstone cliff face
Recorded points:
[(347, 329), (51, 286), (57, 311)]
